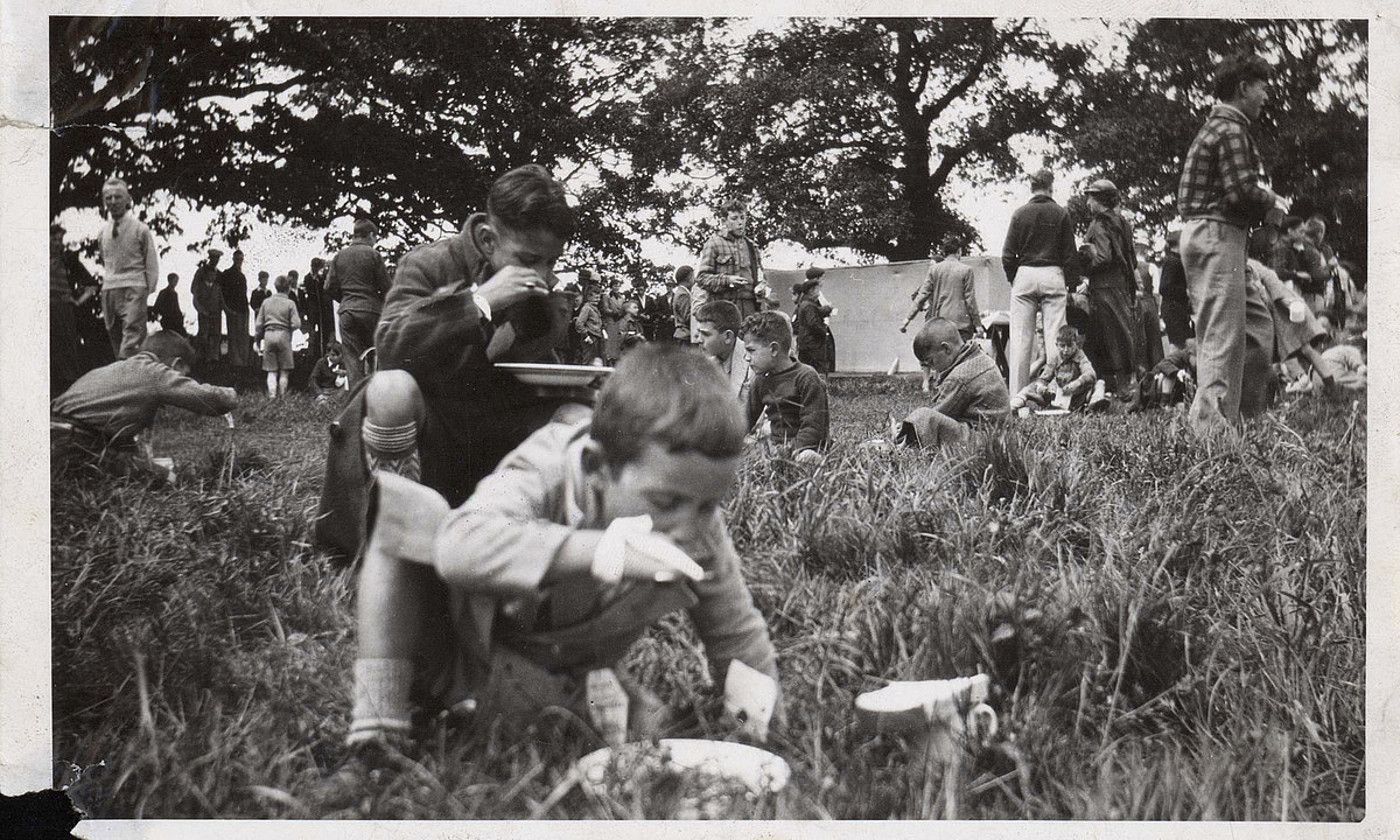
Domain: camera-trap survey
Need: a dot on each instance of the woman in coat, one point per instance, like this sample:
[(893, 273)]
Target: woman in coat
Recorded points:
[(1110, 265)]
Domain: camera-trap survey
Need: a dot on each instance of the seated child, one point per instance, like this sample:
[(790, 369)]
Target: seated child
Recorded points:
[(716, 332), (1296, 328), (789, 395), (1171, 381), (328, 377), (98, 419), (1344, 363), (583, 538), (969, 390), (1066, 385)]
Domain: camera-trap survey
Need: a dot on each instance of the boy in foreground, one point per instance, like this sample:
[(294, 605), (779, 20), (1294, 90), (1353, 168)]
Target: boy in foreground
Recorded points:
[(583, 538), (969, 389), (97, 420), (791, 395)]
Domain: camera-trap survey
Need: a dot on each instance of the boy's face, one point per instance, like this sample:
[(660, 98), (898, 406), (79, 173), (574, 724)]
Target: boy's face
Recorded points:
[(537, 249), (680, 491), (763, 358), (940, 358), (715, 342), (116, 199), (1066, 348), (735, 221)]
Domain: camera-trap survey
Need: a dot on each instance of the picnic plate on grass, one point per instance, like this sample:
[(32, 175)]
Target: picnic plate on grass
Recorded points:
[(565, 376), (1051, 412), (758, 770)]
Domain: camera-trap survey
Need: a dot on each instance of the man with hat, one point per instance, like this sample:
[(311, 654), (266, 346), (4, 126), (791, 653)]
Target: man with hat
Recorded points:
[(1110, 262), (809, 322), (131, 270), (1039, 246), (1220, 197), (208, 306)]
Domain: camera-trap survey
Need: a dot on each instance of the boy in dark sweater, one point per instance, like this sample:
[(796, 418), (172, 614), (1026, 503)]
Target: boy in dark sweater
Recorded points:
[(791, 396)]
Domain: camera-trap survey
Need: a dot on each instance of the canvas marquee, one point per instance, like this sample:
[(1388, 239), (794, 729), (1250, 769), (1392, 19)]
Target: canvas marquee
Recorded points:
[(871, 301)]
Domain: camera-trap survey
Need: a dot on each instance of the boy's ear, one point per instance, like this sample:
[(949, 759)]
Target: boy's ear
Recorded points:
[(592, 458), (485, 237)]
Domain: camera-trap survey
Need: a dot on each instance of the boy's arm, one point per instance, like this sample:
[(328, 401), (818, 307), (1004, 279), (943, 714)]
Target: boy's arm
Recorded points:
[(707, 274), (260, 323), (954, 401), (181, 391), (725, 618), (1010, 250), (1087, 374), (813, 420), (333, 282)]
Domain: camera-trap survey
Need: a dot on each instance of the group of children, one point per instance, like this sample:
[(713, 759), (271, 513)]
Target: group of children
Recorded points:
[(513, 542)]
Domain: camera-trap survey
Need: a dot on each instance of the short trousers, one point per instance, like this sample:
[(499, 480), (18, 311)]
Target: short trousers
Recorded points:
[(277, 351)]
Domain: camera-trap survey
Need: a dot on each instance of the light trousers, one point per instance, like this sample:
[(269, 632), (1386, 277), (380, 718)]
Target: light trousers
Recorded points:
[(1035, 289)]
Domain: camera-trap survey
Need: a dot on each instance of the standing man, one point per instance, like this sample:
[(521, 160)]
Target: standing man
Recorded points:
[(1039, 247), (680, 304), (167, 307), (131, 271), (233, 285), (729, 265), (323, 313), (260, 294), (64, 368), (208, 306), (358, 281), (1219, 198)]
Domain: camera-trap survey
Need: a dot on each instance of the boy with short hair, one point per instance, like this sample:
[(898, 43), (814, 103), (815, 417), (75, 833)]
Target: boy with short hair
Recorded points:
[(791, 395), (1048, 389), (100, 416), (584, 537), (717, 324), (970, 391), (328, 377), (277, 318)]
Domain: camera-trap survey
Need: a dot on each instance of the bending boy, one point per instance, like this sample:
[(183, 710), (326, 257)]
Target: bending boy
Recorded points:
[(584, 536), (969, 392)]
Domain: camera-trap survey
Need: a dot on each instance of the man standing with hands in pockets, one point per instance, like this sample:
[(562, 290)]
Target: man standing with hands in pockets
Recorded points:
[(131, 270)]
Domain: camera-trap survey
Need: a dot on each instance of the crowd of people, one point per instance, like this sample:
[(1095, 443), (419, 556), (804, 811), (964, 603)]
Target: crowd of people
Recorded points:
[(524, 536)]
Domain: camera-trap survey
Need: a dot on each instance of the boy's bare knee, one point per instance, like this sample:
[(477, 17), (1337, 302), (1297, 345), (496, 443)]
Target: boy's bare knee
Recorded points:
[(393, 398)]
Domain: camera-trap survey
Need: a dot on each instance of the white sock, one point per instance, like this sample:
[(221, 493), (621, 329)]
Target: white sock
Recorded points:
[(381, 698)]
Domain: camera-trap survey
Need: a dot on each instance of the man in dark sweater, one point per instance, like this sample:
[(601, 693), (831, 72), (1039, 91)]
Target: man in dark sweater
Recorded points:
[(358, 281), (789, 395), (1039, 247), (233, 285), (167, 307)]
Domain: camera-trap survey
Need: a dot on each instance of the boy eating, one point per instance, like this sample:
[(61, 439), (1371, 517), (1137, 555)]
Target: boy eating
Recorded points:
[(717, 326), (585, 535), (789, 394)]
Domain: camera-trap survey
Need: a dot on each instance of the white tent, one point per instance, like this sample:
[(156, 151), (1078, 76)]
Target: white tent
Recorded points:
[(871, 301)]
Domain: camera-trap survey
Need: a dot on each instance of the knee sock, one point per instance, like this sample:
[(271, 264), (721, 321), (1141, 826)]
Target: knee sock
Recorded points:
[(381, 702), (393, 449)]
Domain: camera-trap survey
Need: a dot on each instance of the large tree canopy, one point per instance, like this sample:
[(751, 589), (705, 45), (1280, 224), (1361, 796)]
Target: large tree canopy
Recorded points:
[(843, 132), (1146, 108)]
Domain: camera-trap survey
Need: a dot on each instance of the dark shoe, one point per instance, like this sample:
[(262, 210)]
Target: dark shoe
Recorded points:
[(367, 771)]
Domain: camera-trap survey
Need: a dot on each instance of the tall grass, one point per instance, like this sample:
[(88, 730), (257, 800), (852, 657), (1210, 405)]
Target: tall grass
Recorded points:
[(1173, 634)]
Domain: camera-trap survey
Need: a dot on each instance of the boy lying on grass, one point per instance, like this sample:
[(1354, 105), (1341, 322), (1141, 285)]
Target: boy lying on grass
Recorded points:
[(791, 396), (583, 537), (97, 420), (969, 390), (1068, 383)]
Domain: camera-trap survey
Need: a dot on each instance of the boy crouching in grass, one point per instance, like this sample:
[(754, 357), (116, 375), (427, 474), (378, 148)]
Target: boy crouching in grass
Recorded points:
[(1066, 384), (790, 395), (969, 390), (581, 539), (97, 420)]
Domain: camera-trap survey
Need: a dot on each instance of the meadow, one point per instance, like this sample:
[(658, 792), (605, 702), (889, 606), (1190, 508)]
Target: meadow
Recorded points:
[(1182, 631)]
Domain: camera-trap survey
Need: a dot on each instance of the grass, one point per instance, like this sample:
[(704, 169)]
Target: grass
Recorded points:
[(1182, 631)]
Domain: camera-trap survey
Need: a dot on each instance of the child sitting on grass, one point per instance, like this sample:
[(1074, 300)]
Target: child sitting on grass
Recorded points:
[(583, 538), (328, 377), (1068, 383), (969, 389), (97, 420), (791, 396), (1343, 362)]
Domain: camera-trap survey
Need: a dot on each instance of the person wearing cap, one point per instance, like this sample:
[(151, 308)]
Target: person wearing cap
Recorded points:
[(358, 281), (1110, 263), (208, 306), (1039, 248), (131, 270), (1220, 197), (809, 322)]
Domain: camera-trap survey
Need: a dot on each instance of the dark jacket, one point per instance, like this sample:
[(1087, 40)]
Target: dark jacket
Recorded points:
[(1041, 233), (358, 280), (796, 403), (1107, 253), (1171, 283)]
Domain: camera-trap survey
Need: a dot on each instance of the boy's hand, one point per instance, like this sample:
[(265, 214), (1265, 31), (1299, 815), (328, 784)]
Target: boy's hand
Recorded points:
[(808, 456), (511, 285), (630, 549), (750, 696)]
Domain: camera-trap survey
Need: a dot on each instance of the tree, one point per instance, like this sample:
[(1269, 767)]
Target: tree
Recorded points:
[(305, 120), (847, 132), (1144, 111)]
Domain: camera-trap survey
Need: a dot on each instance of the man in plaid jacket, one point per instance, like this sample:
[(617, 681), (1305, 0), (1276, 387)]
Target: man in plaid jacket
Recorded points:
[(1220, 197), (729, 265)]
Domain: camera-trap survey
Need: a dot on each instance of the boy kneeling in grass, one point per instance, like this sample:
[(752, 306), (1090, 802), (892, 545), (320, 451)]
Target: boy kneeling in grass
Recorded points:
[(1068, 383), (582, 538), (969, 390), (789, 394), (97, 420)]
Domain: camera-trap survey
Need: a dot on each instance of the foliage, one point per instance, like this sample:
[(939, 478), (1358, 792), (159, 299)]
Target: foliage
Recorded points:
[(1187, 627), (1145, 109)]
